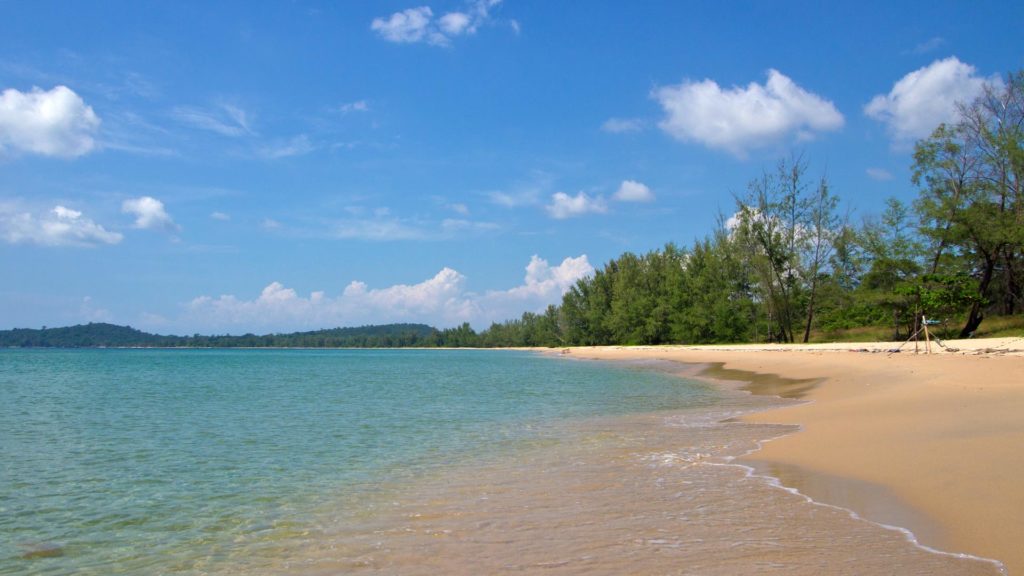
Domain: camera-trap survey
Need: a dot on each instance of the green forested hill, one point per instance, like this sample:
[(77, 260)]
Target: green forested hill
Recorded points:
[(96, 335)]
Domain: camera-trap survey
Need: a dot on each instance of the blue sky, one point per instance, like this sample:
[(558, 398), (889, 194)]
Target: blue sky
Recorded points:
[(277, 166)]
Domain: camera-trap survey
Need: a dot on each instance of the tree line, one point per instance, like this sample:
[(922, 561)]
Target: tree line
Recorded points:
[(99, 334), (788, 263)]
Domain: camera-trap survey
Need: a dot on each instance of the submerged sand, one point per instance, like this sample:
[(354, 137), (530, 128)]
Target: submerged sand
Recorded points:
[(932, 443)]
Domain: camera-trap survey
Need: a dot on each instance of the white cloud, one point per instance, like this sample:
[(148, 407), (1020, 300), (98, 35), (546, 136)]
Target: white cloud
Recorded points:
[(407, 26), (56, 122), (59, 227), (623, 125), (564, 206), (89, 312), (452, 226), (225, 119), (297, 146), (733, 222), (880, 174), (383, 227), (929, 45), (419, 25), (454, 23), (633, 191), (442, 300), (738, 119), (925, 98), (149, 213), (357, 106), (525, 197), (270, 224), (220, 216), (380, 229)]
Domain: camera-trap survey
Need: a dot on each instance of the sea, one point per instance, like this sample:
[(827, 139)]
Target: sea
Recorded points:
[(316, 462)]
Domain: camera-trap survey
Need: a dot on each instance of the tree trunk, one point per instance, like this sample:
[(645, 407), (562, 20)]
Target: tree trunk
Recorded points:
[(810, 312), (1013, 288), (976, 316)]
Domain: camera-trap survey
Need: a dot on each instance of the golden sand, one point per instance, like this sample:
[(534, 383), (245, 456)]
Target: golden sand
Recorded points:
[(941, 435)]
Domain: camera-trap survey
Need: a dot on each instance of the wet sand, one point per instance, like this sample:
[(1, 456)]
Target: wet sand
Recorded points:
[(674, 492), (932, 443), (643, 494)]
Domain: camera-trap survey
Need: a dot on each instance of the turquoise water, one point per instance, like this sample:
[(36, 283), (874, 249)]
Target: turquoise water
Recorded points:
[(208, 461)]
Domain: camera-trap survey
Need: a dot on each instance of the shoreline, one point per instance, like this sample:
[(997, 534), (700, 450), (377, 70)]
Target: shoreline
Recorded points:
[(929, 444)]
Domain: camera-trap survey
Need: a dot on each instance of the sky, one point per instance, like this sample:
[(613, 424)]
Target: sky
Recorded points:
[(232, 167)]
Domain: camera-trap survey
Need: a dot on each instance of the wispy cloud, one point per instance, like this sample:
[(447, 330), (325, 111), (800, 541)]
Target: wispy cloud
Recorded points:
[(224, 119), (623, 125), (381, 226), (357, 106), (880, 174), (296, 146), (930, 45), (515, 199)]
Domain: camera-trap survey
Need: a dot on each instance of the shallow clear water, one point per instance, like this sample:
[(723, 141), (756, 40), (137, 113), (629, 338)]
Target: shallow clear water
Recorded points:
[(176, 461), (402, 462)]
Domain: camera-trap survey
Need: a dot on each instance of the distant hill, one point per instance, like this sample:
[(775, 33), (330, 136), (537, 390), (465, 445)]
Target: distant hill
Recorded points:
[(99, 335)]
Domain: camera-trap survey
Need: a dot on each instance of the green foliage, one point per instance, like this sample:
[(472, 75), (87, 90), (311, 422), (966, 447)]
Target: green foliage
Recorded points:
[(97, 335)]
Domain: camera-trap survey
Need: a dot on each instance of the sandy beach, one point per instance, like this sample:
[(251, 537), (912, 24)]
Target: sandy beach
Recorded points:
[(931, 443)]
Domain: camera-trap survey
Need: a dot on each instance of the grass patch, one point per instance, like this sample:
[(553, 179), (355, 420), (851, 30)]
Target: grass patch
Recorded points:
[(991, 327)]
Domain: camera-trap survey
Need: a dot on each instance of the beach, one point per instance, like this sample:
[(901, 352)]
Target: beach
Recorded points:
[(650, 461), (926, 442)]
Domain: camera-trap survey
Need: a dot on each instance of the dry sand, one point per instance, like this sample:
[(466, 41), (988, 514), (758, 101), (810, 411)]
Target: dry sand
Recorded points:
[(932, 443)]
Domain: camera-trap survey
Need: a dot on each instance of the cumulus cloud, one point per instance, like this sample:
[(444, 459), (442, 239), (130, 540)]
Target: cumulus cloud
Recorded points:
[(220, 216), (407, 26), (633, 191), (738, 119), (442, 300), (543, 285), (60, 226), (149, 213), (419, 24), (563, 206), (55, 122), (455, 23), (925, 98)]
